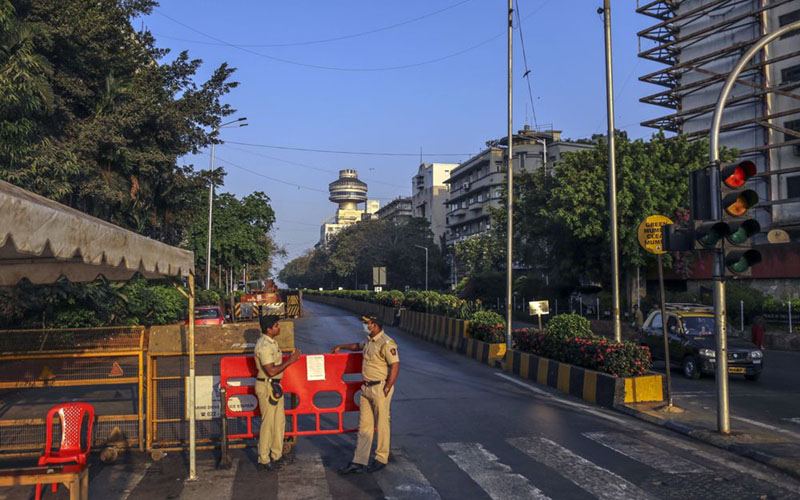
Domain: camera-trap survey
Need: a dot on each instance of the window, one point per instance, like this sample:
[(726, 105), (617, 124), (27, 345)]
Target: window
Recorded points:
[(471, 200), (464, 204), (793, 187), (656, 323), (497, 193), (672, 325), (789, 18), (480, 198), (791, 74), (795, 126)]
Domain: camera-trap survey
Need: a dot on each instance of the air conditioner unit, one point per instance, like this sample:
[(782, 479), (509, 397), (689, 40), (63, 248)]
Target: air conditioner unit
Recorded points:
[(466, 186)]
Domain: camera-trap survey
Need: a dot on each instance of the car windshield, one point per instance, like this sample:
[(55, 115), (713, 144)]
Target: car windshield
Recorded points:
[(698, 326), (206, 313)]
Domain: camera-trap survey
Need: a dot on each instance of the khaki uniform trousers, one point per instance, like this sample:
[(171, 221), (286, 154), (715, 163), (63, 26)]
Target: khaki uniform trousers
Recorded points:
[(374, 407), (273, 425)]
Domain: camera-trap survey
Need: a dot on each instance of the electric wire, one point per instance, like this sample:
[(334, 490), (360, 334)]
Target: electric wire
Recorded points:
[(527, 74), (326, 40), (342, 152), (339, 68)]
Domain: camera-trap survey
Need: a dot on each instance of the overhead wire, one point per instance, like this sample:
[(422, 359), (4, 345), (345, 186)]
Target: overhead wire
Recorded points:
[(339, 68), (343, 152), (333, 39), (527, 74)]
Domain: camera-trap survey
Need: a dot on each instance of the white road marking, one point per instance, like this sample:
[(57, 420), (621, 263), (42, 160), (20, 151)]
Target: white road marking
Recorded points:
[(776, 478), (566, 402), (658, 458), (304, 479), (600, 482), (113, 482), (402, 480), (211, 482), (496, 478), (794, 420), (767, 426)]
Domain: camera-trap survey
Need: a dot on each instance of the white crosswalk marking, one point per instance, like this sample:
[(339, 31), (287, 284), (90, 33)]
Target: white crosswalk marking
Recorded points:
[(402, 480), (647, 454), (494, 477), (304, 479), (598, 481)]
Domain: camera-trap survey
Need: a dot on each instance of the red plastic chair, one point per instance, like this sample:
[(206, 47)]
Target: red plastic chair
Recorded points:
[(70, 451)]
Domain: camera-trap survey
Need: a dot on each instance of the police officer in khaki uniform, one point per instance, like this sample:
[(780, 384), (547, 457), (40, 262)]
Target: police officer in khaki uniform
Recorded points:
[(269, 361), (379, 370)]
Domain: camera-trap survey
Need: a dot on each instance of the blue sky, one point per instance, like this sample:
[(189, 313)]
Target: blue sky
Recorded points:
[(298, 88)]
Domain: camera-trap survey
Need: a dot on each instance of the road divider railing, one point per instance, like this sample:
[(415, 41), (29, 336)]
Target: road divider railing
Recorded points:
[(43, 367), (389, 315)]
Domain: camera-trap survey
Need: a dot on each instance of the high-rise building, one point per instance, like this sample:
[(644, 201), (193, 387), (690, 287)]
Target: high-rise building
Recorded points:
[(699, 42), (348, 191), (430, 193)]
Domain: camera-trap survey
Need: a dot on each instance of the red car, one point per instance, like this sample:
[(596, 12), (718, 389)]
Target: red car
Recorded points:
[(208, 315)]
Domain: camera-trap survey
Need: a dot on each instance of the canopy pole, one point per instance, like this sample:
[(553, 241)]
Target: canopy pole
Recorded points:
[(191, 385)]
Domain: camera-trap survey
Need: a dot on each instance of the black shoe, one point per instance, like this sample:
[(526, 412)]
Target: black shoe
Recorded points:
[(375, 466), (352, 468), (266, 467), (279, 463)]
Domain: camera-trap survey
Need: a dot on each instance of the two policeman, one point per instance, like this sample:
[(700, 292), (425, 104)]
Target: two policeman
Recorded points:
[(379, 370)]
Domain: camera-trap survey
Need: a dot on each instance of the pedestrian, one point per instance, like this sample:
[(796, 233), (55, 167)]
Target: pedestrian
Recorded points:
[(638, 317), (757, 332), (379, 370), (270, 365)]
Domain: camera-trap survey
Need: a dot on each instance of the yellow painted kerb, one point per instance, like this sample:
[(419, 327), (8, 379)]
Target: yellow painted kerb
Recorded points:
[(590, 386), (541, 374), (642, 389), (563, 377)]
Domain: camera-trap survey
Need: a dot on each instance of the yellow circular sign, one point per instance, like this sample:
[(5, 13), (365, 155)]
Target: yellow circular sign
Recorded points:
[(650, 233)]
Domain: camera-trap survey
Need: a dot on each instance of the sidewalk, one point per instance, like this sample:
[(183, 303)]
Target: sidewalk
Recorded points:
[(773, 446)]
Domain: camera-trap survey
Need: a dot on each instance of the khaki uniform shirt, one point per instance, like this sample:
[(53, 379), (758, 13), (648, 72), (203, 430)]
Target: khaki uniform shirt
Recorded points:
[(380, 351), (267, 352)]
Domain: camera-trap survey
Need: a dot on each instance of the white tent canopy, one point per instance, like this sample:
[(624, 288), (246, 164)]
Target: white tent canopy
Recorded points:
[(42, 240)]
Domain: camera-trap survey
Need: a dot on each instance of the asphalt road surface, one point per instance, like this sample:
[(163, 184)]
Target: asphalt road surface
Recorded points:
[(462, 430), (772, 402)]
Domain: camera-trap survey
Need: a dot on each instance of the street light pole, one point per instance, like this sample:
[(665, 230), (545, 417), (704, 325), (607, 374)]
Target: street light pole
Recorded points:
[(510, 178), (211, 196), (612, 175), (426, 264)]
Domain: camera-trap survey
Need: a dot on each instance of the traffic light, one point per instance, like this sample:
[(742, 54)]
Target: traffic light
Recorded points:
[(736, 200)]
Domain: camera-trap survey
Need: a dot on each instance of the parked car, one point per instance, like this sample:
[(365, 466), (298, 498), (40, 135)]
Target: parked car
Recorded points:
[(692, 343), (208, 315)]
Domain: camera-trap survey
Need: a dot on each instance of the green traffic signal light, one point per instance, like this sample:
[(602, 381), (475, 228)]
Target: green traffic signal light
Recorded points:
[(741, 231), (708, 234), (740, 261)]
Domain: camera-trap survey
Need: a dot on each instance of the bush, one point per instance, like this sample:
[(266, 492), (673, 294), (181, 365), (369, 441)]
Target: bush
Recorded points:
[(623, 359), (391, 298), (736, 293), (569, 325), (207, 298), (487, 326)]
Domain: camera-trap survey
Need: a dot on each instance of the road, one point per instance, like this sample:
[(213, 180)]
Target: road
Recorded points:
[(773, 401), (464, 430)]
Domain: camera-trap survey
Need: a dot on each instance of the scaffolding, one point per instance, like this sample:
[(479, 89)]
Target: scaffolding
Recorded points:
[(699, 41)]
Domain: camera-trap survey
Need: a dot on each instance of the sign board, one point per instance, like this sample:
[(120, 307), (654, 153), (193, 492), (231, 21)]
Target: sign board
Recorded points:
[(539, 307), (378, 289), (315, 367), (378, 276), (649, 233), (207, 397)]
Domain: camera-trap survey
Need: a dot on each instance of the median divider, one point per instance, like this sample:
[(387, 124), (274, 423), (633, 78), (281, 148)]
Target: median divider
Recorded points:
[(590, 385)]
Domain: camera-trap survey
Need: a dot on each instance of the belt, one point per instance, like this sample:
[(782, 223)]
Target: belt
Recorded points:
[(370, 383), (261, 379)]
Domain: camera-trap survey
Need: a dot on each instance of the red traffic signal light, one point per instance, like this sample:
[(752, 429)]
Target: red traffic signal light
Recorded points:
[(734, 176)]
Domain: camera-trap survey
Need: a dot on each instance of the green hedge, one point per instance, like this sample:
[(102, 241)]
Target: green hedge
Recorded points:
[(431, 302), (621, 359), (488, 326)]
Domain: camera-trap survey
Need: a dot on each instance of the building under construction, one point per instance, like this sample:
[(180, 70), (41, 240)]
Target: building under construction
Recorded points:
[(699, 42)]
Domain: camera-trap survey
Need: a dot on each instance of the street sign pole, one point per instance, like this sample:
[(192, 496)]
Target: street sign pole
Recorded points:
[(510, 179), (664, 328)]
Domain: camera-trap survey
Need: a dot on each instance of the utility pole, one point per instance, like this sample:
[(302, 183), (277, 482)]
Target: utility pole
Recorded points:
[(426, 264), (510, 177), (612, 175), (211, 196)]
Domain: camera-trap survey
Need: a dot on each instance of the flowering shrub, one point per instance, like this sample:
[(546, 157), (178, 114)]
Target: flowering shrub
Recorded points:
[(487, 326), (391, 298), (621, 359)]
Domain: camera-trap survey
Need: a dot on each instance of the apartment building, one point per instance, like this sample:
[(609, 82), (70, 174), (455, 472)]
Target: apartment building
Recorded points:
[(477, 184), (398, 210), (430, 192)]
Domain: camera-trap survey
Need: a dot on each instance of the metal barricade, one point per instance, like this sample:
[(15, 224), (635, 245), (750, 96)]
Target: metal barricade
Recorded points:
[(167, 369), (41, 368)]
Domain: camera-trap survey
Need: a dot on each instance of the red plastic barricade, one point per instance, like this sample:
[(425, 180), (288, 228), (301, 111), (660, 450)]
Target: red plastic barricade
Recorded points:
[(296, 382)]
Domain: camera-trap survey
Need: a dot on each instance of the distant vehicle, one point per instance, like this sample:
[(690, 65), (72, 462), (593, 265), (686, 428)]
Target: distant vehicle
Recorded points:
[(692, 344), (208, 315)]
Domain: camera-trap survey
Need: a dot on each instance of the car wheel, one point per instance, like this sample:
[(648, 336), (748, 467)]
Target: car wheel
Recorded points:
[(690, 368), (754, 377)]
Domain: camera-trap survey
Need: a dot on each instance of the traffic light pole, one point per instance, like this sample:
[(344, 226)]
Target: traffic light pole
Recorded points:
[(720, 314), (510, 180)]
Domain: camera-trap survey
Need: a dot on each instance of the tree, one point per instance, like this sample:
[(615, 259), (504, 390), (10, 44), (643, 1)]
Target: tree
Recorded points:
[(94, 120)]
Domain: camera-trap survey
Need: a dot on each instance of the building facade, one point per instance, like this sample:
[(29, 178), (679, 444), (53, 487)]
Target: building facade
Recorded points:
[(477, 184), (397, 211), (348, 191), (699, 42), (430, 193)]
